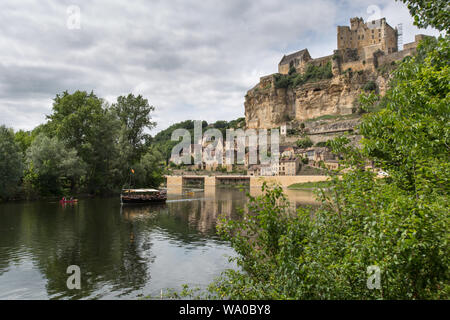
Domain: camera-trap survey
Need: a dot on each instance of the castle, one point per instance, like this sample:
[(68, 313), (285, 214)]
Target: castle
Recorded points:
[(362, 48), (362, 42)]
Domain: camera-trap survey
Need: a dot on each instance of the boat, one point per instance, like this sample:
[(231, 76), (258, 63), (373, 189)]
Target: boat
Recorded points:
[(130, 196), (69, 201)]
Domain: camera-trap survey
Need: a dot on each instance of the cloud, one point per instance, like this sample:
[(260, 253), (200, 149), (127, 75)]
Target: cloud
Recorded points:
[(191, 59)]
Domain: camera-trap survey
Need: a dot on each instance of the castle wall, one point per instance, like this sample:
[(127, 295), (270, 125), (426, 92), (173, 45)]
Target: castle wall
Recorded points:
[(362, 47), (354, 65), (396, 56)]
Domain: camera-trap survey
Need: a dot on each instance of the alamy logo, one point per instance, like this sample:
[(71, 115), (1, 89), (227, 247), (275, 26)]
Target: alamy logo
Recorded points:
[(73, 18), (374, 279), (74, 281)]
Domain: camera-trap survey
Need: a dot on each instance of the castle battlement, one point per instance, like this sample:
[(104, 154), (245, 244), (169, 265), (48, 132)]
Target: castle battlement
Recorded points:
[(364, 49), (356, 42)]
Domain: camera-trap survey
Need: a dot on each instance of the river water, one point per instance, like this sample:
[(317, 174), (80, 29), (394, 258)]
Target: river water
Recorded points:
[(122, 252)]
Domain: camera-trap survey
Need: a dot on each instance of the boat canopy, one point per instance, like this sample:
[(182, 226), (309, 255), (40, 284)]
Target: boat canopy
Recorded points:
[(139, 190)]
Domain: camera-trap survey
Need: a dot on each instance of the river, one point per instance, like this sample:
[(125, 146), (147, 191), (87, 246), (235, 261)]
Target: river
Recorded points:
[(122, 252)]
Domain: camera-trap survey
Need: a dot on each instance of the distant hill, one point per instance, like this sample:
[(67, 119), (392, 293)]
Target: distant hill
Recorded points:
[(162, 140)]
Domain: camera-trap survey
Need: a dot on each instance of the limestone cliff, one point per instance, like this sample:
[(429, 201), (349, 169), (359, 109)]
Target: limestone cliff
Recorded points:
[(268, 107)]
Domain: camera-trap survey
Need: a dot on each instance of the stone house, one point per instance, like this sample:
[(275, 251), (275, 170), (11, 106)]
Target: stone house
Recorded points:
[(296, 60), (254, 170), (270, 169), (289, 166)]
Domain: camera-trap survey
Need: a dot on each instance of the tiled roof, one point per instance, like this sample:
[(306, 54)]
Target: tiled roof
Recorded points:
[(289, 57)]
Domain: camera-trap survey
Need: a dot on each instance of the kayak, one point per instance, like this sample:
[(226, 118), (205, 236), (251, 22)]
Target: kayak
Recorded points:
[(68, 201)]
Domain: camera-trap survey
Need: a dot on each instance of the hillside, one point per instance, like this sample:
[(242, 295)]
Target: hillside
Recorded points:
[(163, 143)]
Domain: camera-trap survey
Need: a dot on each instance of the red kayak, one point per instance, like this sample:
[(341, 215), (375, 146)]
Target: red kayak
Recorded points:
[(68, 201)]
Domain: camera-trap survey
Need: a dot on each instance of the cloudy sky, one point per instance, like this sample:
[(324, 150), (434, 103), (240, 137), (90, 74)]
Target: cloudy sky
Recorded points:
[(190, 59)]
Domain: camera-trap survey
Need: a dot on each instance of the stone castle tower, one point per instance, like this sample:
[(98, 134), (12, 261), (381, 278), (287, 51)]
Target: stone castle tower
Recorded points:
[(367, 38), (363, 48)]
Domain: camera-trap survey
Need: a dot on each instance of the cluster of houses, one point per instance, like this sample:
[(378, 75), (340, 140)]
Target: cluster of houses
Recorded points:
[(292, 159)]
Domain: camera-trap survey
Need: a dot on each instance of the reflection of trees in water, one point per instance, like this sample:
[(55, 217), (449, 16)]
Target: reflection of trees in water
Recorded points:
[(92, 236), (112, 248), (200, 216)]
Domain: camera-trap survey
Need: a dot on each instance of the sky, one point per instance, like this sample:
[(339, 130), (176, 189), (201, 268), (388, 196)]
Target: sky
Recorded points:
[(191, 59)]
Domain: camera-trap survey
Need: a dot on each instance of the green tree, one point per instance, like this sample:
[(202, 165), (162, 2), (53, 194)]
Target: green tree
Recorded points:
[(434, 13), (399, 223), (51, 166), (23, 140), (11, 163), (148, 171), (84, 122), (409, 138), (134, 113), (304, 143)]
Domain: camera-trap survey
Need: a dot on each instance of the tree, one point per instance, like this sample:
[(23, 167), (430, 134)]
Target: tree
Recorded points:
[(434, 13), (11, 163), (52, 166), (304, 143), (23, 140), (84, 122), (135, 117), (409, 138), (148, 172), (398, 224)]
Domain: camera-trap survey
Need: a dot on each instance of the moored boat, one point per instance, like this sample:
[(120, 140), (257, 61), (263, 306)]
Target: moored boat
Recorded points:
[(142, 196)]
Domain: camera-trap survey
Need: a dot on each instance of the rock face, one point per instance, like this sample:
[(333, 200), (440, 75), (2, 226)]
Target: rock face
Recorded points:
[(268, 107)]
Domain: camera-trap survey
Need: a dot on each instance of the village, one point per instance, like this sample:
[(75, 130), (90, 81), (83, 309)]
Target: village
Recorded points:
[(309, 102)]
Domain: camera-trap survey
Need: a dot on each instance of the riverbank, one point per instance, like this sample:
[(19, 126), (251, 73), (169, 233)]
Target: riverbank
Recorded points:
[(310, 185)]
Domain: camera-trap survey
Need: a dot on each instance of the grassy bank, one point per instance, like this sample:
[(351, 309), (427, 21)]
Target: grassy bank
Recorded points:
[(309, 185)]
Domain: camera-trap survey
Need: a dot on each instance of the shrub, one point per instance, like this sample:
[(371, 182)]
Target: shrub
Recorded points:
[(322, 144), (370, 86), (304, 143)]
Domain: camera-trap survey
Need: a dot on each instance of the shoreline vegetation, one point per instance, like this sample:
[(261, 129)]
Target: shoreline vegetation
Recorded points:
[(397, 225), (310, 185), (86, 147)]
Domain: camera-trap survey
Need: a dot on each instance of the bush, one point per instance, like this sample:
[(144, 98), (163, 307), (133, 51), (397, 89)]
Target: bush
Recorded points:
[(398, 224), (370, 86), (304, 143), (322, 144), (312, 74)]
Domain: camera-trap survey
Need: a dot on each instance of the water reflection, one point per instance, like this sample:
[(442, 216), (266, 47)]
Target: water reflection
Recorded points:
[(123, 252)]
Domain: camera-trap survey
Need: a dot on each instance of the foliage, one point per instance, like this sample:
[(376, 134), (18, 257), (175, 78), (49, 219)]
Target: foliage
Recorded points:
[(322, 144), (23, 140), (304, 143), (11, 163), (399, 223), (84, 122), (162, 141), (409, 138), (134, 115), (87, 146), (149, 170), (312, 74), (51, 165), (310, 185), (370, 86), (434, 13)]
